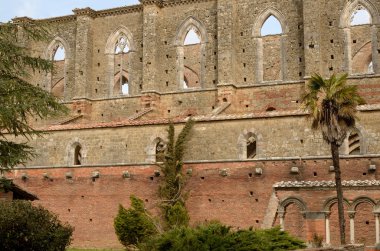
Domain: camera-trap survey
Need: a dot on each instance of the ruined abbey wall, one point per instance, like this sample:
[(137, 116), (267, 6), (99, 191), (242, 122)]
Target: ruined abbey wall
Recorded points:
[(127, 73)]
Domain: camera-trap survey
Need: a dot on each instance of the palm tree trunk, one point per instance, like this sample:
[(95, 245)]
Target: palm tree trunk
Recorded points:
[(339, 192)]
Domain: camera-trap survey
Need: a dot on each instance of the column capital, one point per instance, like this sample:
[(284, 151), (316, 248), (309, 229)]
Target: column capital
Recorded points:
[(351, 214)]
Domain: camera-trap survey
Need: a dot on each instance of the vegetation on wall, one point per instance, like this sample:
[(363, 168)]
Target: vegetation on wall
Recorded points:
[(26, 227), (173, 182), (20, 99), (332, 105)]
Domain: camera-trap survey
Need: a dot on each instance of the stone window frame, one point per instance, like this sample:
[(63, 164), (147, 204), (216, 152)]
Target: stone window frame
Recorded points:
[(49, 55), (151, 148), (256, 33), (70, 150), (345, 25), (190, 23), (363, 142), (242, 144), (110, 55)]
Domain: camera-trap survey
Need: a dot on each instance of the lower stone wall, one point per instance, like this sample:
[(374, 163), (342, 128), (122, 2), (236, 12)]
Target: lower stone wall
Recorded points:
[(239, 194)]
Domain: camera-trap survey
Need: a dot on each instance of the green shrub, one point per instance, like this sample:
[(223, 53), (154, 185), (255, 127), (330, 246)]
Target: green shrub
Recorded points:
[(133, 225), (26, 227), (216, 236)]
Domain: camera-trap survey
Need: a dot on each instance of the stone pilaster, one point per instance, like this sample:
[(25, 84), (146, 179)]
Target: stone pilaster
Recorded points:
[(225, 41), (312, 39), (83, 52), (150, 64)]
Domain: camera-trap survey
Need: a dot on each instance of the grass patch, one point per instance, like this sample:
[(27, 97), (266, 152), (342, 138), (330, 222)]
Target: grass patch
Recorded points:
[(91, 249)]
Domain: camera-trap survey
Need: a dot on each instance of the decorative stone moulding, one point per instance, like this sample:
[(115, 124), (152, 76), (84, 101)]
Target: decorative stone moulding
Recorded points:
[(95, 175), (372, 168), (223, 172), (294, 170), (126, 175), (69, 175), (326, 184), (258, 171)]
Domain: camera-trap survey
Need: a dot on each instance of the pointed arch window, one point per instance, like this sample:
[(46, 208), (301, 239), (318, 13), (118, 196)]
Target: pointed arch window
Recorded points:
[(358, 20), (271, 26), (78, 155), (121, 66), (251, 146), (58, 72), (360, 16), (269, 32), (160, 150), (192, 59), (191, 49)]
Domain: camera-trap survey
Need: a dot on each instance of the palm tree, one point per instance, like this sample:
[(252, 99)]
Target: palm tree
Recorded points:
[(332, 106)]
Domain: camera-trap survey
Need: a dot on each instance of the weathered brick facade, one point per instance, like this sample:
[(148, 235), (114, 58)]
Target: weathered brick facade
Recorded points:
[(243, 89)]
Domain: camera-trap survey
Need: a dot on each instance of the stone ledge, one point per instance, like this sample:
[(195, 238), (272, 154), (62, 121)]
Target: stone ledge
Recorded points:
[(326, 184)]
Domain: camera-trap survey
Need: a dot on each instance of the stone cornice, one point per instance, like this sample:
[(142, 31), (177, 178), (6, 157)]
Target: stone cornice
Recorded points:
[(326, 184), (85, 12)]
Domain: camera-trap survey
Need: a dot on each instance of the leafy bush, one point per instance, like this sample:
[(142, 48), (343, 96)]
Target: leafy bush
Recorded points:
[(133, 225), (216, 236), (26, 227)]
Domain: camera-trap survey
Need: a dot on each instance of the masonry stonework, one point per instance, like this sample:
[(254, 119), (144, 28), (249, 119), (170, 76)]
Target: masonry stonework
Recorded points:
[(241, 87)]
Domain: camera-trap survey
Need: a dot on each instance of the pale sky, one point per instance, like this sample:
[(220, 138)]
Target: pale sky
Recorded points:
[(53, 8)]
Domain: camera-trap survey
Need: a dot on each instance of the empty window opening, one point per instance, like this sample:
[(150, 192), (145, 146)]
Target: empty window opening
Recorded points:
[(362, 62), (271, 26), (192, 37), (360, 16), (354, 143), (121, 73), (192, 59), (58, 72), (251, 146), (370, 68), (78, 155)]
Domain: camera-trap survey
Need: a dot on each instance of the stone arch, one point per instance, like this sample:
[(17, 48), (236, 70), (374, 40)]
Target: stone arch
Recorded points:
[(260, 20), (363, 220), (297, 201), (71, 151), (360, 200), (110, 54), (345, 24), (152, 147), (242, 143), (261, 41), (191, 23), (350, 8), (331, 201), (292, 216), (49, 54)]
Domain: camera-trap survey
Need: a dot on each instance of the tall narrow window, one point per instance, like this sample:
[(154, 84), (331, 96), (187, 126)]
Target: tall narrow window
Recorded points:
[(58, 72), (354, 143), (160, 151), (121, 61), (271, 33), (251, 146), (192, 59), (78, 155), (360, 41)]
